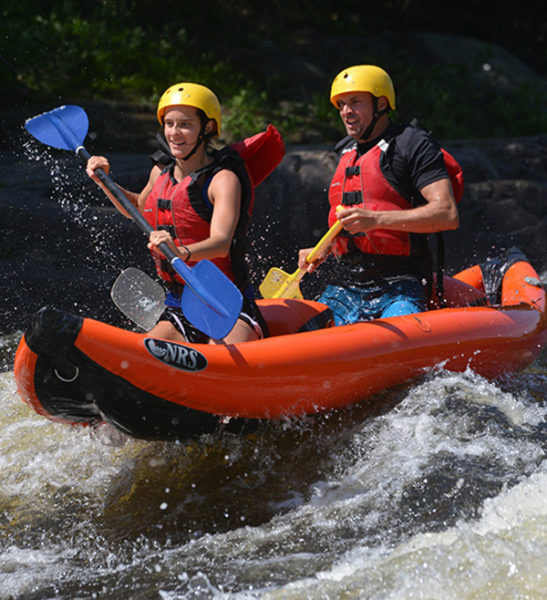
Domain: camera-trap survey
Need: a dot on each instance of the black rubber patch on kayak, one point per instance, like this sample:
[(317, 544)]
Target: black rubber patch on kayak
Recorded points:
[(176, 355)]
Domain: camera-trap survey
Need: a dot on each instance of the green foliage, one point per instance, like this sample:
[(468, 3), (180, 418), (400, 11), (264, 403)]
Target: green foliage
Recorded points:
[(456, 105), (243, 113), (130, 51)]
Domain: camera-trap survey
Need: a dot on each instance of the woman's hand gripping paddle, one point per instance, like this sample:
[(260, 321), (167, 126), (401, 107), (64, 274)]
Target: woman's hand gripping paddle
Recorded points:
[(278, 284), (210, 301)]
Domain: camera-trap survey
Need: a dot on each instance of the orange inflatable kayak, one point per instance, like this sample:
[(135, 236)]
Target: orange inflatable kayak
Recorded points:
[(82, 371)]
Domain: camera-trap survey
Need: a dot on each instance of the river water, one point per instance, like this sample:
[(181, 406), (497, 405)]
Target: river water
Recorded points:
[(434, 490)]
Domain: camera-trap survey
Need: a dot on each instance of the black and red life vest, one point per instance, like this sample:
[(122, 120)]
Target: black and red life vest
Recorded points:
[(183, 209), (361, 180)]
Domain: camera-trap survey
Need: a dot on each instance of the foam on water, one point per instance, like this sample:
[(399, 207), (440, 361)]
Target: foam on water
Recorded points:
[(501, 555)]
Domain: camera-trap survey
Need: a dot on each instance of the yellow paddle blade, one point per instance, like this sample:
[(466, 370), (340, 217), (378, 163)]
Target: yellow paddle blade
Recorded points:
[(278, 284)]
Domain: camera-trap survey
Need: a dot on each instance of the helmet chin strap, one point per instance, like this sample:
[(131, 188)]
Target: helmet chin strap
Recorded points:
[(375, 117), (200, 141), (201, 138)]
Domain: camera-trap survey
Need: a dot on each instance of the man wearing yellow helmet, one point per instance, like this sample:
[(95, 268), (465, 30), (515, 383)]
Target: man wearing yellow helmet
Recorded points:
[(199, 203), (394, 189)]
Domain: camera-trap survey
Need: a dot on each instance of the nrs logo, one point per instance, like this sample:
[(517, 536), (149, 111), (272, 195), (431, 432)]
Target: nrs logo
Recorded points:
[(176, 355)]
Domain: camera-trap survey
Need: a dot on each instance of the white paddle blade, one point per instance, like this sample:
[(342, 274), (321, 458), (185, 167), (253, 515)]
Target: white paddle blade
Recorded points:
[(139, 297)]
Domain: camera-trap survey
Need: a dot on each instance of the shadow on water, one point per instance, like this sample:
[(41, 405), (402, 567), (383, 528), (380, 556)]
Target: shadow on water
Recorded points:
[(454, 487)]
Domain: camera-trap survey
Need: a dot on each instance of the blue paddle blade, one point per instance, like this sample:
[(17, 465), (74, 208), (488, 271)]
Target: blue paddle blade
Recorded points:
[(64, 127), (213, 308)]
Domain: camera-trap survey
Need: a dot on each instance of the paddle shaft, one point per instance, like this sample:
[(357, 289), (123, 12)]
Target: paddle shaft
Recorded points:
[(325, 241), (321, 244), (131, 209)]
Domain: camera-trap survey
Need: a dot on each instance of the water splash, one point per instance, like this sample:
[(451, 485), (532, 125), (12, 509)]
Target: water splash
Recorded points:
[(77, 198)]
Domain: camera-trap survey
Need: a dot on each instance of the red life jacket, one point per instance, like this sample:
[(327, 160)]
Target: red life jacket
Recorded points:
[(180, 209), (262, 153), (360, 180), (183, 208)]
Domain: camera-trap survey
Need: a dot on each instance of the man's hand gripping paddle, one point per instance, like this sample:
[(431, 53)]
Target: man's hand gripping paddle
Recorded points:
[(278, 284), (210, 301)]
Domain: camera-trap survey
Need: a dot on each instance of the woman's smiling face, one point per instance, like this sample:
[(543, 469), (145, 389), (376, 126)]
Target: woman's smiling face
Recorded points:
[(182, 126)]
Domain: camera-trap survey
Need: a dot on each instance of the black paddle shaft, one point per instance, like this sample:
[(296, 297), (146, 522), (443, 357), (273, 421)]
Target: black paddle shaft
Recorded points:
[(125, 202)]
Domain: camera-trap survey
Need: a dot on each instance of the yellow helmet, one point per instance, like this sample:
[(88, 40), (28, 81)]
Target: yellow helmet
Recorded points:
[(363, 78), (191, 94)]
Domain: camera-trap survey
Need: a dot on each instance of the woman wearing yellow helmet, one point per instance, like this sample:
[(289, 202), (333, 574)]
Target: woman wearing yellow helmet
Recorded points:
[(198, 97), (395, 189), (199, 203)]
